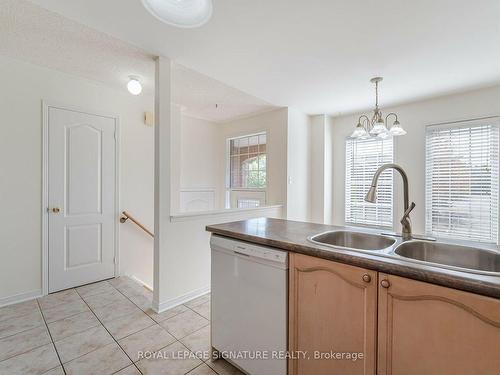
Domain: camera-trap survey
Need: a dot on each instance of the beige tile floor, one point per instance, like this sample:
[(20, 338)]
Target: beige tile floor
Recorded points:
[(101, 328)]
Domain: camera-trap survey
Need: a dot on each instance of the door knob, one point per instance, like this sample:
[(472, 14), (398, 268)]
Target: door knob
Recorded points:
[(56, 210), (367, 278), (385, 283)]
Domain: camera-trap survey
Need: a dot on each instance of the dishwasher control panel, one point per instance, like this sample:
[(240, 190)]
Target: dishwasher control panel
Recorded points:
[(247, 249)]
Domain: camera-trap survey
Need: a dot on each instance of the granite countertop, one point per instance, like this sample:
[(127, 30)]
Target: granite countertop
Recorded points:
[(292, 236)]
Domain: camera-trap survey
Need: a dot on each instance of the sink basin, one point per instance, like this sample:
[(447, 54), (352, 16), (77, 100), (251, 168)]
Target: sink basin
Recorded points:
[(353, 240), (451, 256)]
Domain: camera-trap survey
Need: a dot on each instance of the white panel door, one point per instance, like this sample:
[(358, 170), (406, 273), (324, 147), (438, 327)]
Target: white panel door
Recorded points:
[(81, 185)]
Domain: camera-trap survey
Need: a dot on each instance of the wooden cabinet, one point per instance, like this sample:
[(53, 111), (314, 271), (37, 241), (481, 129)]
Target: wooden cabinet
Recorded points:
[(429, 329), (402, 326), (333, 310)]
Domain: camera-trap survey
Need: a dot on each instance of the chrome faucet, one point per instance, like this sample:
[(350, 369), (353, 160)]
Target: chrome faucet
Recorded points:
[(371, 197)]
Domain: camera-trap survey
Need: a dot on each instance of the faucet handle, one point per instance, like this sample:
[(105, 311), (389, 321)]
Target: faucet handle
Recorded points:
[(407, 212)]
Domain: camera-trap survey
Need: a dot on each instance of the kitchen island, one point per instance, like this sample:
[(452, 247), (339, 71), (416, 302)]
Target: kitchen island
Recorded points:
[(402, 316)]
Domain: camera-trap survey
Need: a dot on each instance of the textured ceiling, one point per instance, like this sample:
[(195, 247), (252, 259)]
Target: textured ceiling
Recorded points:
[(318, 55), (41, 37), (31, 33), (206, 98)]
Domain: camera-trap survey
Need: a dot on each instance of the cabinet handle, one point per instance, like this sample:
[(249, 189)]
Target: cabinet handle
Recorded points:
[(385, 283), (367, 278)]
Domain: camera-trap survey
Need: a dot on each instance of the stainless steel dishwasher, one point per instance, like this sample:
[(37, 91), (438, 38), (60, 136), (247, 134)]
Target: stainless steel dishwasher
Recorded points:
[(249, 305)]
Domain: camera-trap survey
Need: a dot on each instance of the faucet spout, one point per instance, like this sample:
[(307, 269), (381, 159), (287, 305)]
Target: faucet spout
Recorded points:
[(371, 196)]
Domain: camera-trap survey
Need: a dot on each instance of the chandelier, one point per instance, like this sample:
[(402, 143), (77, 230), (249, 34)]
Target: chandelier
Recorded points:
[(376, 126)]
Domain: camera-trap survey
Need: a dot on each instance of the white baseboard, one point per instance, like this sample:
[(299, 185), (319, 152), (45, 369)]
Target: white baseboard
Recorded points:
[(21, 297), (136, 279), (163, 306)]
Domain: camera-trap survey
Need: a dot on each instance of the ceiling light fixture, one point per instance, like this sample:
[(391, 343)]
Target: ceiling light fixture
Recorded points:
[(180, 13), (134, 85), (376, 127)]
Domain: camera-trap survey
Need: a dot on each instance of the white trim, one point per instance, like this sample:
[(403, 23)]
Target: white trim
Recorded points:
[(21, 297), (45, 198), (139, 281), (194, 190), (163, 306), (117, 195), (224, 212), (45, 185)]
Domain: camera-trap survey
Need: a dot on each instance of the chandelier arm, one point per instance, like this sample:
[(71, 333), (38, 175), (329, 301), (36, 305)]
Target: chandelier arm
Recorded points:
[(364, 119), (391, 114)]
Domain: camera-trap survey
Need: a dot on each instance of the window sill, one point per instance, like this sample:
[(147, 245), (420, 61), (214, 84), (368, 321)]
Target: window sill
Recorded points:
[(224, 212)]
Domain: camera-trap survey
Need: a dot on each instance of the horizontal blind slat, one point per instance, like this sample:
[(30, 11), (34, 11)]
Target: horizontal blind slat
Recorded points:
[(462, 178), (363, 158)]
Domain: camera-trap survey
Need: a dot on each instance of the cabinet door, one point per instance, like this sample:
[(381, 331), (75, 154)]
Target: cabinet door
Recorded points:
[(333, 309), (429, 329)]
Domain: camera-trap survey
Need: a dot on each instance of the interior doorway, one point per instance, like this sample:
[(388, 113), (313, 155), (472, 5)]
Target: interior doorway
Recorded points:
[(80, 197)]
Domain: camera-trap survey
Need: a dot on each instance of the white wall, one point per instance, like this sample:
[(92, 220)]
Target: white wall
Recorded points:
[(275, 124), (317, 168), (201, 158), (328, 172), (409, 150), (299, 158), (187, 269), (182, 257), (321, 169), (181, 244), (23, 88), (202, 163)]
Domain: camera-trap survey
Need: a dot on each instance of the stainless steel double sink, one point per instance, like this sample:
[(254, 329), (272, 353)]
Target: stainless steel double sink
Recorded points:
[(438, 254)]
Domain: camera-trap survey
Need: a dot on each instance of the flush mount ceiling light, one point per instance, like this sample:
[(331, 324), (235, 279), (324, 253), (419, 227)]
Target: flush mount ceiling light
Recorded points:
[(376, 127), (180, 13), (134, 85)]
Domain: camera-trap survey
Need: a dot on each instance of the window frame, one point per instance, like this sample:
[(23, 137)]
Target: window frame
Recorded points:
[(229, 188), (390, 226), (493, 121)]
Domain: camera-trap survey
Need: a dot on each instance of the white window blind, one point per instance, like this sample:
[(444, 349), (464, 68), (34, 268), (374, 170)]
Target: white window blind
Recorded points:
[(462, 180), (363, 158)]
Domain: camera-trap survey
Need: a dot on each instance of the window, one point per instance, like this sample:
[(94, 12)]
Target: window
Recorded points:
[(248, 162), (462, 180), (363, 158), (248, 203)]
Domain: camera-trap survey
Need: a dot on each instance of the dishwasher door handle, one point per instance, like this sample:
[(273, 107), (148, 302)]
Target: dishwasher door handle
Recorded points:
[(238, 253)]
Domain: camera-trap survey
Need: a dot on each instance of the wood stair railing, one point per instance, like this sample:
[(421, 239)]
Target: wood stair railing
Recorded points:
[(127, 216)]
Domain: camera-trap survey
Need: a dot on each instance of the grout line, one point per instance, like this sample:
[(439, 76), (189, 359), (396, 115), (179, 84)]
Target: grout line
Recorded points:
[(18, 316), (51, 338), (209, 323), (40, 310), (29, 350), (58, 303), (199, 313), (100, 324), (66, 317), (23, 331), (116, 341), (176, 339)]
